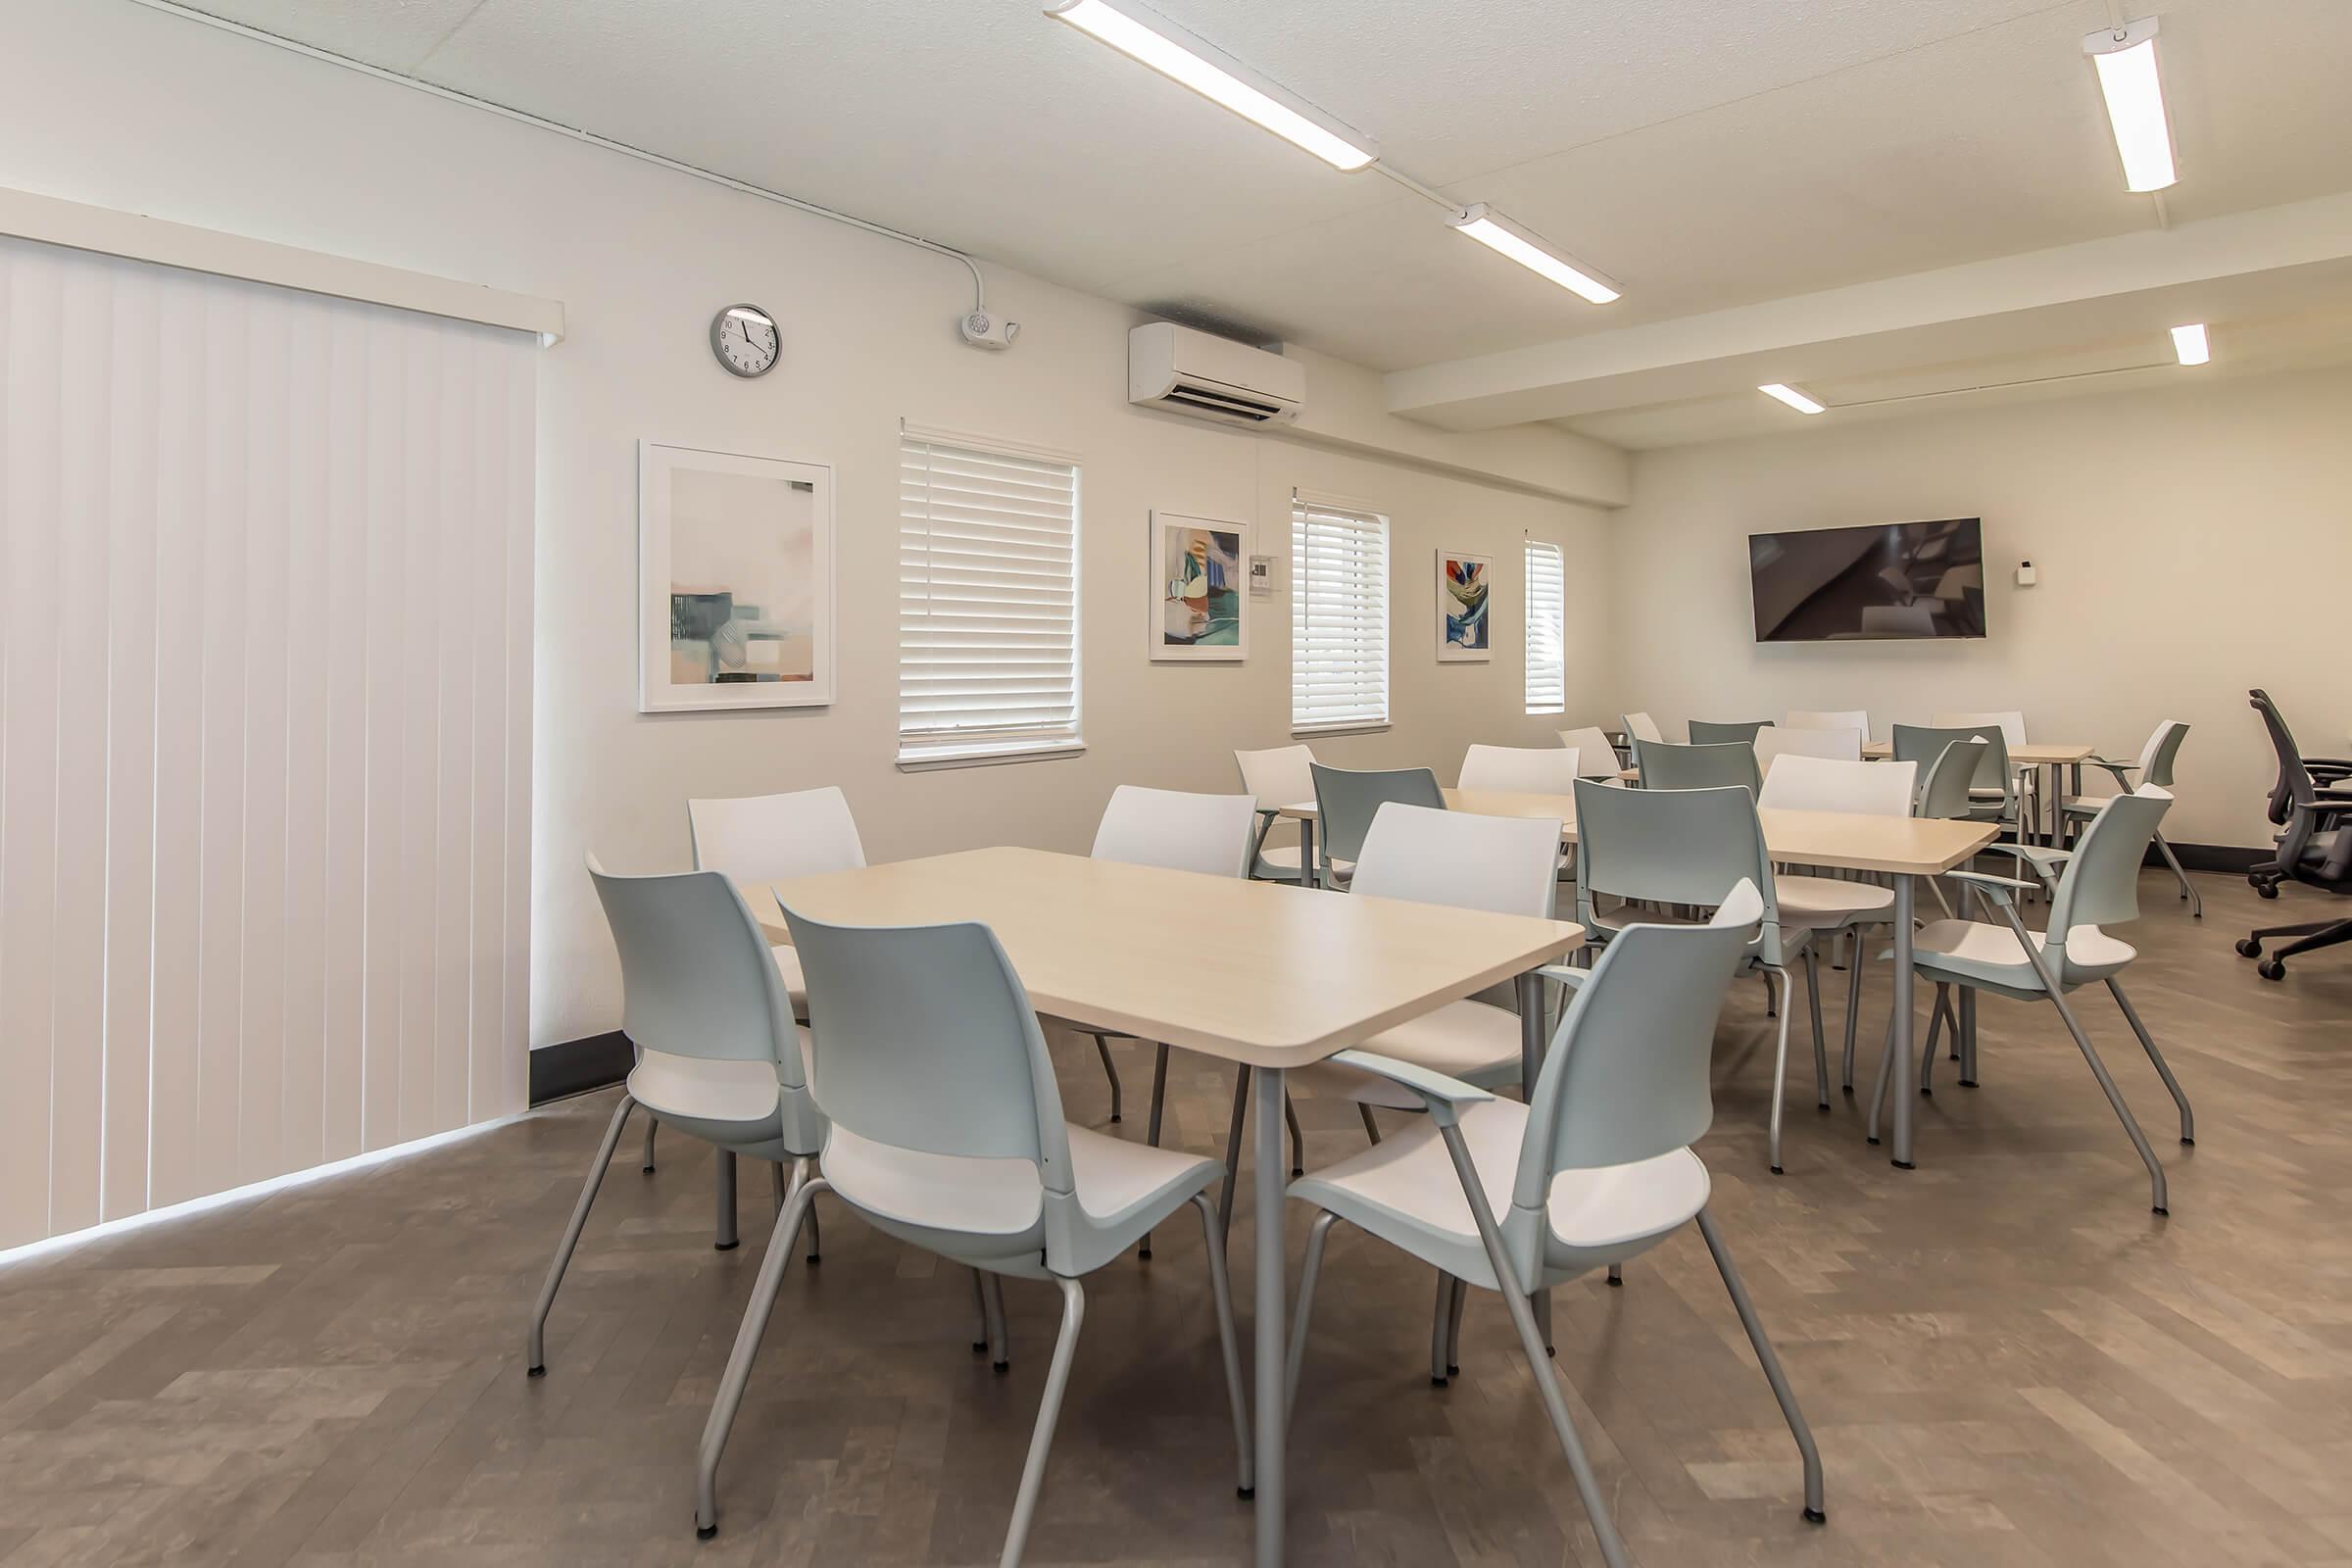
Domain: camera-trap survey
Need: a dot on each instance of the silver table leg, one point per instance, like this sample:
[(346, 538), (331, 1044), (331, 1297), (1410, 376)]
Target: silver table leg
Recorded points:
[(1306, 852), (1906, 1070), (1272, 1405), (1530, 1065)]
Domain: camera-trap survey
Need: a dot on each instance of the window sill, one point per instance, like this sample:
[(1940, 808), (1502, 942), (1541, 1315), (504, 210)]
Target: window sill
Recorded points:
[(932, 762), (1345, 727)]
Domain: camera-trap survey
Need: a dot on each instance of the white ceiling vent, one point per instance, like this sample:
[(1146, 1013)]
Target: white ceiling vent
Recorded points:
[(1208, 378)]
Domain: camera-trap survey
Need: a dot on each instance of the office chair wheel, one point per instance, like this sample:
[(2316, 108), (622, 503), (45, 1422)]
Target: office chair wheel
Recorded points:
[(2267, 890), (2271, 970), (2248, 948)]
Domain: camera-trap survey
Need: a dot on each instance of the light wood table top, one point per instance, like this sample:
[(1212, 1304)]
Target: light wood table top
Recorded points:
[(1260, 972), (1906, 846), (2040, 754)]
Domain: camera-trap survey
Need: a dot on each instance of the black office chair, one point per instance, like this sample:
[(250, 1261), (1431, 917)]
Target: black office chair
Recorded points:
[(2314, 846)]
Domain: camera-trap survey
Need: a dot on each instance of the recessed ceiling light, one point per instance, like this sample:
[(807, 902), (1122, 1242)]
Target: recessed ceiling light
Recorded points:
[(1499, 233), (1220, 79), (2188, 342), (2125, 57), (1790, 396)]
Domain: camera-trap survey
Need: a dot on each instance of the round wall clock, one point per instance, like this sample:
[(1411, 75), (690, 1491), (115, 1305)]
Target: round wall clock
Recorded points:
[(746, 341)]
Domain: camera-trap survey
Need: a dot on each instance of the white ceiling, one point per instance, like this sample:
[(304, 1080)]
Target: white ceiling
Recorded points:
[(1703, 153)]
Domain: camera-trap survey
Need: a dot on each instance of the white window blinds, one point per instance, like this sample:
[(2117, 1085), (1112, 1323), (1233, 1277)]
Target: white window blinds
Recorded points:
[(1546, 629), (987, 601), (1339, 618)]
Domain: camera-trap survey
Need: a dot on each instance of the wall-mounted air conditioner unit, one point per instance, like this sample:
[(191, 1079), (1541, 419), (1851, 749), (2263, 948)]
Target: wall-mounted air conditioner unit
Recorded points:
[(1208, 378)]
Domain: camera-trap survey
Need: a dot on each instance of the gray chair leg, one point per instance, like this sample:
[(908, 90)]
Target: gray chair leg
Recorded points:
[(1821, 1049), (535, 1341), (980, 1344), (1780, 1061), (2188, 889), (992, 1313), (1853, 1011), (1233, 1149), (1772, 1007), (731, 1384), (1967, 1030), (1547, 1383), (783, 1197), (726, 1238), (1936, 1018), (1797, 1427), (2158, 1192), (1290, 1115), (1110, 1070), (1371, 1127), (1220, 1285), (651, 1122), (1878, 1093), (1441, 1330), (1454, 1326), (1049, 1411), (2188, 1119), (1617, 1274), (1159, 1100), (1316, 1235)]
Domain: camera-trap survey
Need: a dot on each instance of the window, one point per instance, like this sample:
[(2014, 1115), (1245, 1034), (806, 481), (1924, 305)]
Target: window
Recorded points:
[(988, 602), (1546, 629), (1339, 618)]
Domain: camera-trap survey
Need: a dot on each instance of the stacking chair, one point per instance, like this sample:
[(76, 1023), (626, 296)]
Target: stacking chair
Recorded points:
[(719, 1056), (1947, 777), (946, 1131), (2012, 724), (1665, 765), (1836, 745), (1280, 776), (1831, 718), (2154, 766), (1594, 1169), (1689, 846), (1831, 905), (1595, 758), (2097, 887), (2315, 848), (1641, 727), (1520, 769), (1348, 799), (1993, 795), (767, 838), (1707, 732), (1178, 832), (1503, 864)]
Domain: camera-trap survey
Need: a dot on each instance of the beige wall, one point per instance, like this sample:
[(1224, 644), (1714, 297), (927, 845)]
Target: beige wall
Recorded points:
[(237, 135), (2188, 541)]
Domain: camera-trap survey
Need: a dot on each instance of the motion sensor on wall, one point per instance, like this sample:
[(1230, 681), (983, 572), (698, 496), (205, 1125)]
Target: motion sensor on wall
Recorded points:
[(983, 331)]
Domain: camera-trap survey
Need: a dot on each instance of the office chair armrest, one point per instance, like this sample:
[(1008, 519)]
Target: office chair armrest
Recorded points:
[(1996, 888), (1444, 1096), (2046, 862), (1566, 974)]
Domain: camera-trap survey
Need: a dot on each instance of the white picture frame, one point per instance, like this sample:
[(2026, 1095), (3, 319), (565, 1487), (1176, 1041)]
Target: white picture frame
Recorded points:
[(734, 581), (1455, 614), (1197, 608)]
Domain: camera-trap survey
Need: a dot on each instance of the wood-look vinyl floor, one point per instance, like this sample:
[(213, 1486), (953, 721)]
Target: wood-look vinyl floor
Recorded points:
[(2007, 1358)]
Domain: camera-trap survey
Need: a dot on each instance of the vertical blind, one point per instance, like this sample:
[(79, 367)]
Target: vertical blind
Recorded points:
[(264, 726), (987, 601), (1546, 629), (1339, 618)]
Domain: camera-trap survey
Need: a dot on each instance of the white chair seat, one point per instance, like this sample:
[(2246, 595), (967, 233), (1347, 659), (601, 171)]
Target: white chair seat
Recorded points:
[(1475, 1042), (1824, 903), (1120, 1184), (1981, 954), (788, 964), (706, 1089), (1403, 1190)]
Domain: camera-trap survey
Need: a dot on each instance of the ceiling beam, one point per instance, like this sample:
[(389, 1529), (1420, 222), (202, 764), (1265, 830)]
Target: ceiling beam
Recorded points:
[(2021, 301)]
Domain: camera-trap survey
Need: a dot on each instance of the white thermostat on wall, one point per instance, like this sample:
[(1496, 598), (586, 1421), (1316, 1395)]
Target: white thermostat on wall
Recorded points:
[(2026, 575)]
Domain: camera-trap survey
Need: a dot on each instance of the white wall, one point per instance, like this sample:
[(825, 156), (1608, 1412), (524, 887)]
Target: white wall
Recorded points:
[(2174, 531), (112, 104)]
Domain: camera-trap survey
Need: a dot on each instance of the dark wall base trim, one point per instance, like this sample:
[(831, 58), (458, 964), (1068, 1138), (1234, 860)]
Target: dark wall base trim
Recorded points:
[(2226, 859), (575, 1066)]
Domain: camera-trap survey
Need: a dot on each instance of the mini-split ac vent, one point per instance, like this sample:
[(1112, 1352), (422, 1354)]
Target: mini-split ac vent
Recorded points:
[(1204, 376)]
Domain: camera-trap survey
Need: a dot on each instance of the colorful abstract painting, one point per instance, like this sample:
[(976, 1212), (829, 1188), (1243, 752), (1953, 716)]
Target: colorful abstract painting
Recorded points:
[(1465, 607), (1199, 566)]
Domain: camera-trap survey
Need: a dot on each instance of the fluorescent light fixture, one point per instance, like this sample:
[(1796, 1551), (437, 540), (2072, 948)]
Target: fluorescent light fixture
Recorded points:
[(1218, 78), (1790, 396), (1499, 233), (2189, 343), (2125, 57)]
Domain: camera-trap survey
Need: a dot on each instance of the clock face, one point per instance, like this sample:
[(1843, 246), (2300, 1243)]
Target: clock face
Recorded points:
[(745, 340)]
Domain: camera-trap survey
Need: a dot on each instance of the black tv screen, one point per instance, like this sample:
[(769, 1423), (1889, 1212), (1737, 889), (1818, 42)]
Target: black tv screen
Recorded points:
[(1888, 580)]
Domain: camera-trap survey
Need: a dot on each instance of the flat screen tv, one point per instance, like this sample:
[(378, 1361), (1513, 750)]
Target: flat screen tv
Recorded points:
[(1889, 580)]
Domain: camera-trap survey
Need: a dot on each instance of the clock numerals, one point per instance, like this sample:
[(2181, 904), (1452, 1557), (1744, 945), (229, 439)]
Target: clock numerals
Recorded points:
[(744, 340)]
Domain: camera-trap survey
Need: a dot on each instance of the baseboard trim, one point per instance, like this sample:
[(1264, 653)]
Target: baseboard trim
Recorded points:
[(2226, 859), (575, 1066)]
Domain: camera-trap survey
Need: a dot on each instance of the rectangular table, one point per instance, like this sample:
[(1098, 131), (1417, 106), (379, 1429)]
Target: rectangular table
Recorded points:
[(1903, 848), (1271, 977)]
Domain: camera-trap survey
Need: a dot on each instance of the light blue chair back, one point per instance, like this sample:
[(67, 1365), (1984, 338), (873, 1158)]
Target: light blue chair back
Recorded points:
[(1665, 765), (2156, 762), (1948, 779), (696, 975), (1925, 742), (2100, 885), (1348, 799), (1671, 847), (1708, 732)]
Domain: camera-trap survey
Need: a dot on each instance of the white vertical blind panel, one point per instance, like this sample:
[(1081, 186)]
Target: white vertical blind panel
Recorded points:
[(1339, 618), (265, 673), (987, 601), (1547, 629)]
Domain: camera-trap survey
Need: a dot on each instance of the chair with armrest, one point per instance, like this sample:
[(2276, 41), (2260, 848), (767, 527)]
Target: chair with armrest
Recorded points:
[(1665, 765), (1345, 801), (1279, 776), (2154, 766), (2315, 849), (1710, 732)]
